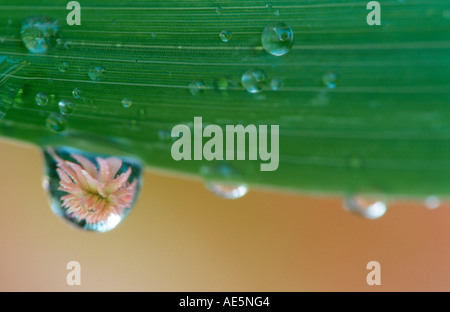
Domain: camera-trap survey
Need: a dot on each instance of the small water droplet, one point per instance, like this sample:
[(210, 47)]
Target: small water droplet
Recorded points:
[(223, 84), (56, 123), (225, 35), (220, 179), (197, 87), (277, 12), (269, 5), (432, 202), (126, 102), (277, 39), (276, 84), (39, 33), (41, 99), (366, 207), (77, 93), (63, 67), (219, 10), (227, 191), (253, 80), (89, 191), (96, 72), (330, 80), (65, 107)]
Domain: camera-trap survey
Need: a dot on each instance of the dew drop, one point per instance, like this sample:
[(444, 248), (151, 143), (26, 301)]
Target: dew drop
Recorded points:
[(330, 80), (277, 39), (269, 6), (225, 35), (366, 207), (223, 84), (39, 33), (253, 80), (63, 67), (277, 12), (77, 93), (276, 84), (65, 107), (56, 123), (41, 99), (196, 87), (91, 192), (126, 102), (221, 180), (96, 72), (219, 10), (432, 202)]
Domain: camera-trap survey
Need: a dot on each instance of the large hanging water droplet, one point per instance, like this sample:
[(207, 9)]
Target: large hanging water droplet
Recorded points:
[(65, 107), (39, 33), (96, 72), (222, 180), (366, 207), (41, 99), (253, 80), (225, 35), (277, 39), (56, 123), (91, 192), (196, 87)]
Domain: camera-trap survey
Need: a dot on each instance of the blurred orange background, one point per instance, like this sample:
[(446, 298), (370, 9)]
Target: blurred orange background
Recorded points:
[(180, 237)]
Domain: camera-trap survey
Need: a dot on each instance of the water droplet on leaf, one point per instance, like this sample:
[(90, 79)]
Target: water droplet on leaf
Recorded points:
[(253, 80), (366, 207), (276, 84), (63, 67), (126, 102), (196, 87), (277, 39), (56, 123), (89, 191), (77, 93), (39, 33), (41, 99), (330, 80), (96, 72), (65, 107), (225, 35)]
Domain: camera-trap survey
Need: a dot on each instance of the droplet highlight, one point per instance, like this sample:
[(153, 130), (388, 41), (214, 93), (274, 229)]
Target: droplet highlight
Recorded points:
[(39, 33), (432, 202), (366, 207), (227, 191), (77, 93), (276, 84), (277, 39), (91, 192), (254, 80)]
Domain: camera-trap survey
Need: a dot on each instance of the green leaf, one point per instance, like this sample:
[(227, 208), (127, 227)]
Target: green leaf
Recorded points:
[(385, 127)]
